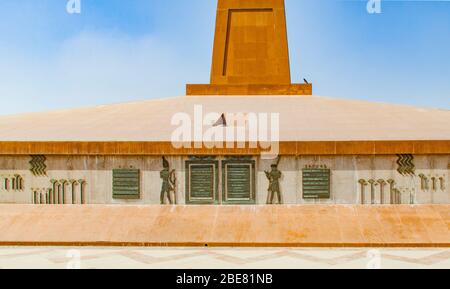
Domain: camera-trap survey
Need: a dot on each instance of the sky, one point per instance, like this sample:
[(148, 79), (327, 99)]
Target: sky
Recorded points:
[(128, 50)]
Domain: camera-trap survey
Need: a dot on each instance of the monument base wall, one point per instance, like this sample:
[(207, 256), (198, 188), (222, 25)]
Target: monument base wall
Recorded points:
[(352, 180), (256, 226)]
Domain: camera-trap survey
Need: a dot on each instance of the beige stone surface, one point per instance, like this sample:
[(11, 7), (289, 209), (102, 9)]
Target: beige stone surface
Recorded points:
[(301, 119), (287, 226)]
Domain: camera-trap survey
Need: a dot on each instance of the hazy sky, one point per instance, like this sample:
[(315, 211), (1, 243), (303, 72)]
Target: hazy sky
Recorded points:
[(124, 50)]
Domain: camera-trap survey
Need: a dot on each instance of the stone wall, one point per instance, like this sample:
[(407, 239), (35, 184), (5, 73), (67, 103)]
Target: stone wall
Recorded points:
[(349, 174)]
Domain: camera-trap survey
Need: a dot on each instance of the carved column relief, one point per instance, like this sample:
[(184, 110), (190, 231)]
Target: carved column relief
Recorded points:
[(63, 184), (12, 183), (442, 183), (82, 191), (432, 183), (57, 194), (391, 183), (372, 191), (382, 184), (363, 184), (41, 196), (423, 182), (73, 184)]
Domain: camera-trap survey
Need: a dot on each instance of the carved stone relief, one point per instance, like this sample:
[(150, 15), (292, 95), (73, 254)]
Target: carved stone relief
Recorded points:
[(316, 182), (406, 165), (380, 186), (169, 180), (38, 167), (61, 192), (274, 177), (12, 183), (432, 183)]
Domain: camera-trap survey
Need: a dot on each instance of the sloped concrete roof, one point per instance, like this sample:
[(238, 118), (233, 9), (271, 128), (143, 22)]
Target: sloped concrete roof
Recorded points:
[(302, 118)]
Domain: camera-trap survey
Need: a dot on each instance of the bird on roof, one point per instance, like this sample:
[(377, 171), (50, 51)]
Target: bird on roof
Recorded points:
[(222, 121)]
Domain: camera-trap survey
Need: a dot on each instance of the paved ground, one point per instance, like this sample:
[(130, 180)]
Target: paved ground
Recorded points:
[(220, 258)]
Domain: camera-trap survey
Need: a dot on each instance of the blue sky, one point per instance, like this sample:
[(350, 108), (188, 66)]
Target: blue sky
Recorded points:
[(126, 50)]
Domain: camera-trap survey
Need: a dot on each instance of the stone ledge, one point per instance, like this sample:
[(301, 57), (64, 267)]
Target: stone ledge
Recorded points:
[(237, 226), (248, 89), (287, 148)]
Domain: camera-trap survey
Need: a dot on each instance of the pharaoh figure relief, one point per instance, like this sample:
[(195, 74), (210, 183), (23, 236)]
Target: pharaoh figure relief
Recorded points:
[(274, 177), (168, 185)]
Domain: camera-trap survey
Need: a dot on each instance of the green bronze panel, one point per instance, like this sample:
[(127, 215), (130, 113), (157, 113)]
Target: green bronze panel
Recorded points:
[(316, 183), (202, 182), (126, 184), (238, 182)]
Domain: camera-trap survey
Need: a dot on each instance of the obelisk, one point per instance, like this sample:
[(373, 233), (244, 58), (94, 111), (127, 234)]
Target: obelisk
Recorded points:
[(250, 54)]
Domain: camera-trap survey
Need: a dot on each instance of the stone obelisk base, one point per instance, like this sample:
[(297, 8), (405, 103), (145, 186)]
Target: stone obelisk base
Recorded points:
[(249, 89)]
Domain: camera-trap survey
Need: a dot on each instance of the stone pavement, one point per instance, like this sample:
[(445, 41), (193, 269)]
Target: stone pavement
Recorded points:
[(221, 258)]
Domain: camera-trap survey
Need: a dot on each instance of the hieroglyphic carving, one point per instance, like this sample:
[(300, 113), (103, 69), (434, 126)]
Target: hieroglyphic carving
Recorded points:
[(63, 191), (202, 158), (372, 183), (41, 196), (202, 181), (382, 183), (57, 194), (316, 182), (126, 184), (73, 184), (14, 183), (52, 198), (392, 190), (238, 181), (82, 192), (434, 184), (399, 194), (82, 184), (437, 183), (442, 183), (395, 194), (406, 165), (17, 183), (424, 185), (239, 158), (38, 167), (363, 185)]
